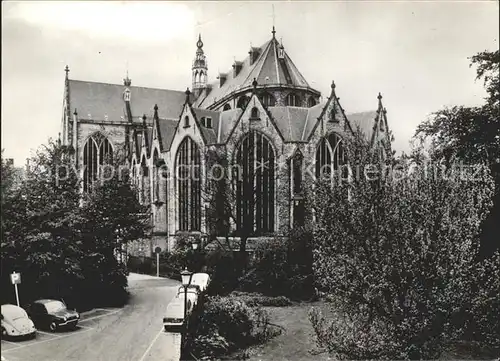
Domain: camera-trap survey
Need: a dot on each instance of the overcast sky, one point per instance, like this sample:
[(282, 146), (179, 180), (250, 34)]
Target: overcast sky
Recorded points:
[(414, 53)]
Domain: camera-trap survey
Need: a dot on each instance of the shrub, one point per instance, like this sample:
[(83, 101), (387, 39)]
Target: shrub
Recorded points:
[(226, 324), (283, 267), (400, 258)]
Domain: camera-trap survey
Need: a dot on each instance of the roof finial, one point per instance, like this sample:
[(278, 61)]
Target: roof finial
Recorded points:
[(127, 81), (199, 43), (75, 112), (188, 93), (379, 97), (66, 70), (333, 85), (156, 111), (274, 30), (144, 120), (254, 84)]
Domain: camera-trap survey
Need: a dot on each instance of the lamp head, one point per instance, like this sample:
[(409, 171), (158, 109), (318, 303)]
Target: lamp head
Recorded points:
[(186, 277)]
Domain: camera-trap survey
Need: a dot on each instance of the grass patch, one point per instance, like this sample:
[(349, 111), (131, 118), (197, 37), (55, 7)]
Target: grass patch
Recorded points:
[(257, 299)]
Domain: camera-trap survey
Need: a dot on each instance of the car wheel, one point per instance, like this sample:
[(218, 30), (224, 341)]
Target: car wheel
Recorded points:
[(53, 326)]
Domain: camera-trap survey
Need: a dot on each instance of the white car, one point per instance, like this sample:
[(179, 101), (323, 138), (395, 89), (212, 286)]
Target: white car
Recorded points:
[(202, 280), (174, 317), (192, 298), (15, 322)]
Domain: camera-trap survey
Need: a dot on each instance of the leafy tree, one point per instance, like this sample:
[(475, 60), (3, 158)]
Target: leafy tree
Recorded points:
[(40, 223), (398, 257), (472, 135), (63, 241)]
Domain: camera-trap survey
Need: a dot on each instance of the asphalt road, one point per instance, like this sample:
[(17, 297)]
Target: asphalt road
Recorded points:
[(132, 333)]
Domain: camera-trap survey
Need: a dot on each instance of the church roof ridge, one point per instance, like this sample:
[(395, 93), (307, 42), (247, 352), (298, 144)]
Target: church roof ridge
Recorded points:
[(123, 86)]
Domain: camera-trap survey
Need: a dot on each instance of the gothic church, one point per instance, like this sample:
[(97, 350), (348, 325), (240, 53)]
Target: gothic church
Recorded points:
[(262, 110)]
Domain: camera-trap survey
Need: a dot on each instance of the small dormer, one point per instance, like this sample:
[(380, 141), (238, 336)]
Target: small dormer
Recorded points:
[(254, 54), (281, 52), (237, 66), (222, 79), (126, 95)]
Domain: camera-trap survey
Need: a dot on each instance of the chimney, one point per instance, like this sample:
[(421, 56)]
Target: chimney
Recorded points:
[(222, 77)]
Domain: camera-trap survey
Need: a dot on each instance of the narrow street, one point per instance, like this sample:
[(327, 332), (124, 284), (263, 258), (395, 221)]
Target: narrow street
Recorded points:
[(132, 333)]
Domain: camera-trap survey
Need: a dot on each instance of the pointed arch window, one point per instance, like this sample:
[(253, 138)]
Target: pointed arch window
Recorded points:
[(330, 156), (255, 114), (242, 102), (268, 100), (188, 174), (333, 113), (186, 121), (255, 185), (292, 100), (134, 173), (145, 186), (97, 152), (311, 102), (156, 178), (296, 167)]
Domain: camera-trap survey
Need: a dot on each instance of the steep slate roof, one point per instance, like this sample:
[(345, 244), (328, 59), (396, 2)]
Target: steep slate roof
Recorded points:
[(267, 69), (290, 121), (227, 122), (166, 132), (100, 99), (364, 120), (312, 117)]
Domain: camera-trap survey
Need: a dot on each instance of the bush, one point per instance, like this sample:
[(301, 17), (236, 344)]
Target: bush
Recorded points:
[(400, 258), (283, 267), (226, 324)]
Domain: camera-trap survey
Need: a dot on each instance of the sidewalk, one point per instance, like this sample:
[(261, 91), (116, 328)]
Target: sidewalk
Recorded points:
[(141, 277)]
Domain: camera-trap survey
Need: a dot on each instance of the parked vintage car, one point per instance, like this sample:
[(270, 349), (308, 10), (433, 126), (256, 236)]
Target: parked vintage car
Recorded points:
[(192, 297), (202, 280), (16, 322), (174, 317), (52, 315)]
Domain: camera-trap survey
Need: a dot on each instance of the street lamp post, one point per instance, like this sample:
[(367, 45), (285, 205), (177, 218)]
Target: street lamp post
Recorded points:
[(186, 281)]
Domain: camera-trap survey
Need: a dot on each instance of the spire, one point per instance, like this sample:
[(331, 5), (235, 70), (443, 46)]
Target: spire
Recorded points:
[(199, 43), (127, 81), (274, 30), (199, 68)]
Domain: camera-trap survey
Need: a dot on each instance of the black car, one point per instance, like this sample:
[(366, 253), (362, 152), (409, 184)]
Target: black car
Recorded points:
[(52, 315)]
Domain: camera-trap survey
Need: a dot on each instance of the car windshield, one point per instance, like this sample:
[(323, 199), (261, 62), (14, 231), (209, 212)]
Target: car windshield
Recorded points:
[(199, 279), (54, 306)]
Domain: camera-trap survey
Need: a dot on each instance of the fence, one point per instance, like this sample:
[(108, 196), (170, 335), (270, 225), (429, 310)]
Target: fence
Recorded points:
[(147, 265)]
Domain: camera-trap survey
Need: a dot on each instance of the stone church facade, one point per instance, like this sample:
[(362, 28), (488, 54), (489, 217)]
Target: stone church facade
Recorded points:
[(262, 111)]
